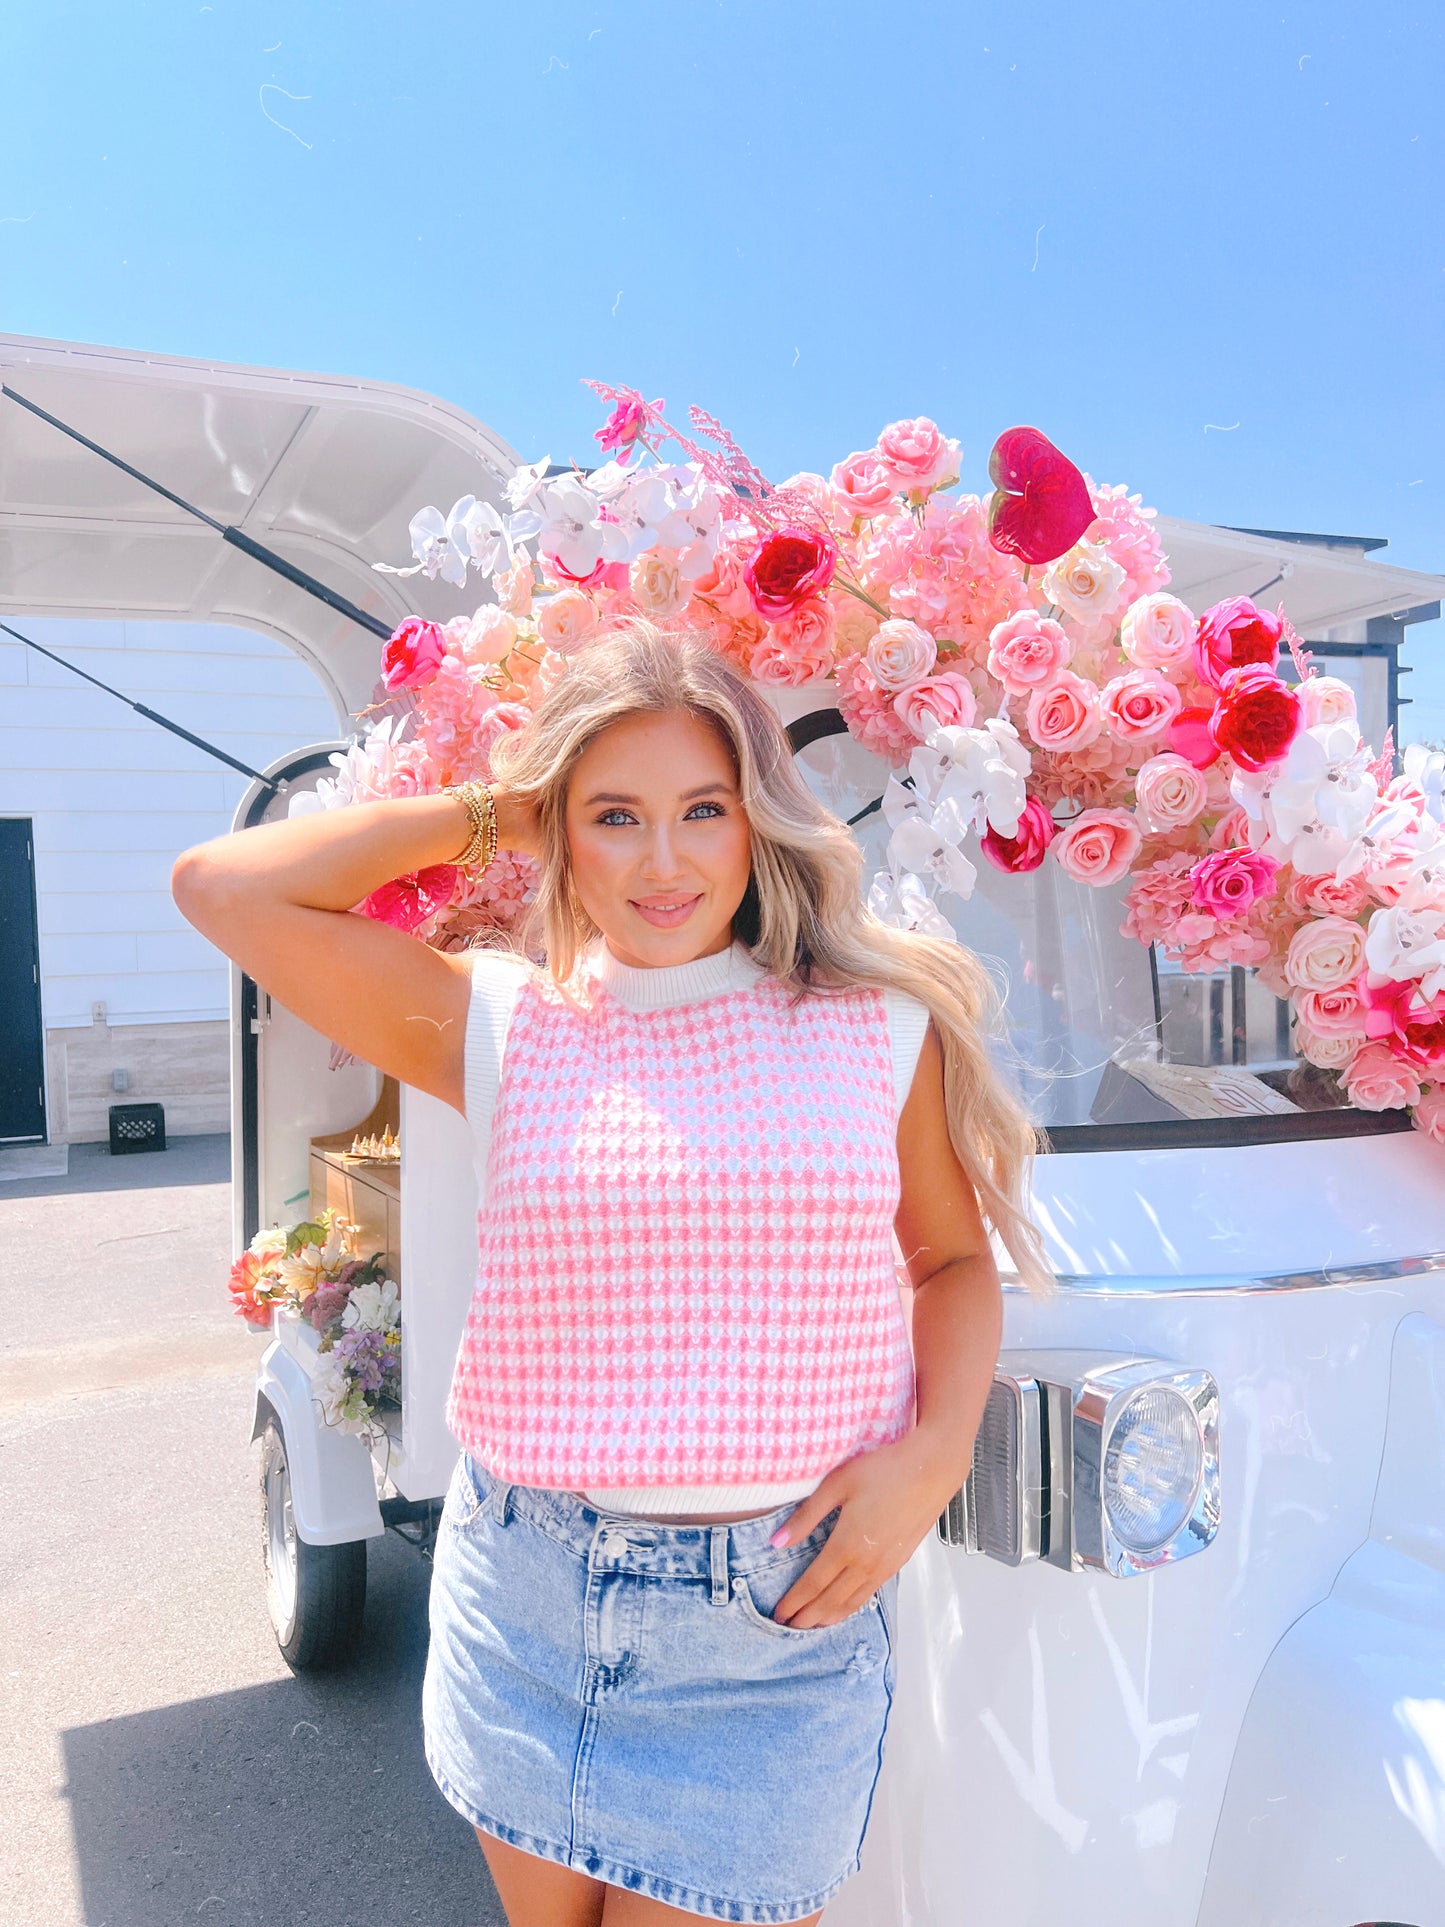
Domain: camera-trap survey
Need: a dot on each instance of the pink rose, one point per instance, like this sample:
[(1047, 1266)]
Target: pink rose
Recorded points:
[(901, 654), (1170, 793), (1333, 1013), (865, 485), (1378, 1081), (1158, 632), (1231, 832), (1430, 1114), (1139, 704), (566, 619), (1324, 953), (947, 698), (1255, 718), (500, 720), (1066, 714), (657, 585), (1027, 652), (722, 583), (1327, 895), (1026, 848), (489, 635), (1098, 846), (1230, 882), (1325, 700), (412, 654), (796, 650), (627, 424), (917, 456)]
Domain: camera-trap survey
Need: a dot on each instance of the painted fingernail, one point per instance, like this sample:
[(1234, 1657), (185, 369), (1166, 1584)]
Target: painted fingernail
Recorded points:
[(780, 1537)]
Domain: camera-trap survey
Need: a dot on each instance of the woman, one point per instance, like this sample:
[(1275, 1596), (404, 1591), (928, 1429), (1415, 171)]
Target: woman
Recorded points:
[(697, 1444)]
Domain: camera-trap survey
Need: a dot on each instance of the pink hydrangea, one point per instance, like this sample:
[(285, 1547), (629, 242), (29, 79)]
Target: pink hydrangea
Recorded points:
[(1161, 907), (868, 711), (1126, 529)]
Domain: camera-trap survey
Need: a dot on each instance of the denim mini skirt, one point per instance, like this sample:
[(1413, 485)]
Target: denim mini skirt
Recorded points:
[(612, 1694)]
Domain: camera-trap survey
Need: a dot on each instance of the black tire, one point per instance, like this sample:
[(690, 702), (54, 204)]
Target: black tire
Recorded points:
[(316, 1595)]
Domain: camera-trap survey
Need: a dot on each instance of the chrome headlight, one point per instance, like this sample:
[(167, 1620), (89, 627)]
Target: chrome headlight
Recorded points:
[(1093, 1461)]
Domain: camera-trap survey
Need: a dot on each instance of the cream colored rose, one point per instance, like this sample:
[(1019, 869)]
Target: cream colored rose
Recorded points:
[(657, 585), (1330, 1053), (1325, 953), (1169, 792), (1158, 632), (566, 619), (901, 654), (1326, 700), (490, 634), (1085, 583)]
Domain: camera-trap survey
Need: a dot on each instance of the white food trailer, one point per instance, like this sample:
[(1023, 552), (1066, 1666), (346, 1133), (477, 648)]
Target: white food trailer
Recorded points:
[(1176, 1657)]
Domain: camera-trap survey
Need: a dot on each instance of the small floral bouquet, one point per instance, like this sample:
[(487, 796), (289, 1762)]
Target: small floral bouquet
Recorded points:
[(1014, 658), (308, 1269)]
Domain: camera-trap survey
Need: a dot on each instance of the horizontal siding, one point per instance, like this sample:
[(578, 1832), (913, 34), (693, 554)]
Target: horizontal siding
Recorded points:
[(114, 798)]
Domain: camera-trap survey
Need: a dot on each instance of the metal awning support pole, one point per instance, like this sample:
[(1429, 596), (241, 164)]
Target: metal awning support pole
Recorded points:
[(151, 715), (257, 551)]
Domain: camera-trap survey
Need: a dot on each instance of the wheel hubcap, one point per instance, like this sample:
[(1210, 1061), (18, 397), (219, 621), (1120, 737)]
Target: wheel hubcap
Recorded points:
[(280, 1544)]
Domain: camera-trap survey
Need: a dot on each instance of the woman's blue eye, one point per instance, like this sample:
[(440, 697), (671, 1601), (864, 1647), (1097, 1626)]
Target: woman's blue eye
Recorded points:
[(608, 815), (717, 807)]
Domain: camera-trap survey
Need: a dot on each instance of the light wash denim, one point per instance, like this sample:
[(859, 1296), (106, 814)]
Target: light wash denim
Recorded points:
[(612, 1694)]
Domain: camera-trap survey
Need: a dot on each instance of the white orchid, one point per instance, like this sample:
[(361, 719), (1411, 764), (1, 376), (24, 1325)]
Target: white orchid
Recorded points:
[(1425, 768), (903, 901), (1311, 808), (696, 530), (479, 534), (570, 529), (644, 513), (981, 773), (431, 544), (527, 484), (926, 841)]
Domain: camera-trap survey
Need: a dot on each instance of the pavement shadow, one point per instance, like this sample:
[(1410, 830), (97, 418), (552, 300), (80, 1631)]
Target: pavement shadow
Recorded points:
[(203, 1159), (304, 1802)]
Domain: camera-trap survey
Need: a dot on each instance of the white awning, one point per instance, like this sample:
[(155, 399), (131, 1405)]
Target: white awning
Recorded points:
[(328, 471)]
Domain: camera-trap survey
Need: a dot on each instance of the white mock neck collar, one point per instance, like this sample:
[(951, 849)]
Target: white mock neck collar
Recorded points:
[(666, 985)]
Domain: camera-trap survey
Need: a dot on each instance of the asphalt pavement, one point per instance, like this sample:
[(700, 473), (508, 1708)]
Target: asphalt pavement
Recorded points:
[(160, 1763)]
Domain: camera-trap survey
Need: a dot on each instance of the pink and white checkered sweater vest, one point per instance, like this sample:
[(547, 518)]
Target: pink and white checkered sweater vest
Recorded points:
[(687, 1281)]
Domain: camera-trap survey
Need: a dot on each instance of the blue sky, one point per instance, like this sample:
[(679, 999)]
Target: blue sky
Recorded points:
[(1200, 246)]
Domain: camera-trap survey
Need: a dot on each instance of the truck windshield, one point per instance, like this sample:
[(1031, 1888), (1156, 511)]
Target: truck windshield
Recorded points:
[(1110, 1042)]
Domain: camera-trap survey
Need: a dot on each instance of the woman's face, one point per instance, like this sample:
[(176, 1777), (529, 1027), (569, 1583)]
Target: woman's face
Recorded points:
[(661, 849)]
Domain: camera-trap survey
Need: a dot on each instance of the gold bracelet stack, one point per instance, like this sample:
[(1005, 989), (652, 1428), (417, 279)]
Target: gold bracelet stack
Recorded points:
[(481, 808)]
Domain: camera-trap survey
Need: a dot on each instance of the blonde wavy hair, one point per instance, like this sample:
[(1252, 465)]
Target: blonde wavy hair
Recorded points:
[(803, 916)]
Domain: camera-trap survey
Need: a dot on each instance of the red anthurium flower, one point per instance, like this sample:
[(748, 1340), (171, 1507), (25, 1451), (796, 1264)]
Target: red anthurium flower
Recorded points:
[(408, 901), (1042, 504)]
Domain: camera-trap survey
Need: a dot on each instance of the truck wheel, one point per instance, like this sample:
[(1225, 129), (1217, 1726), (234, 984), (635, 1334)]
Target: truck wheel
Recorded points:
[(315, 1594)]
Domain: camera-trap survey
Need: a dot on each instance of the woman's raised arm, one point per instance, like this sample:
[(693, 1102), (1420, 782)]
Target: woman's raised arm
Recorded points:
[(278, 899)]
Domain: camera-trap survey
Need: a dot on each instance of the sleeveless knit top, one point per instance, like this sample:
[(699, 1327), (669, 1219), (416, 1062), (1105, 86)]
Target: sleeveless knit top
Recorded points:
[(687, 1295)]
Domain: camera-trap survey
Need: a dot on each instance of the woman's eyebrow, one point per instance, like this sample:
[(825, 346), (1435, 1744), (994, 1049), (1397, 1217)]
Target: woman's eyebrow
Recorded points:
[(704, 789)]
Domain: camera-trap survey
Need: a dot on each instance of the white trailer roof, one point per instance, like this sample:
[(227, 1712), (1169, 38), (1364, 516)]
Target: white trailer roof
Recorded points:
[(328, 470)]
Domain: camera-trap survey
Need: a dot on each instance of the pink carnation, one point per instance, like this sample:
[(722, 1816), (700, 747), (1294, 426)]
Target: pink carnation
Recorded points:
[(1027, 652), (1066, 714), (868, 711), (1098, 846), (917, 456), (1139, 705)]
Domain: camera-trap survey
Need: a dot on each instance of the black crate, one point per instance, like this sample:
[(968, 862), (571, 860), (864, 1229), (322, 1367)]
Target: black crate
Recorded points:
[(137, 1127)]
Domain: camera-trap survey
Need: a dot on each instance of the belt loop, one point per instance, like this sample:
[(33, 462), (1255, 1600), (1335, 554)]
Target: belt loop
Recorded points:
[(501, 1492), (718, 1550)]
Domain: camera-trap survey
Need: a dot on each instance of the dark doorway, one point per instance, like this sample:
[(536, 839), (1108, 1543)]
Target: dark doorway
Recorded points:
[(22, 1040)]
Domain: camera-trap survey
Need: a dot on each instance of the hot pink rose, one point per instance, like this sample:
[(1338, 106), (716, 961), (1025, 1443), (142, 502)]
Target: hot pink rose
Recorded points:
[(788, 567), (1026, 849), (947, 698), (1378, 1081), (1333, 1013), (865, 485), (1233, 635), (1256, 717), (1230, 882), (1170, 793), (626, 425), (1066, 714), (1098, 846), (1027, 652), (1138, 705), (917, 456), (1430, 1114), (412, 654), (1324, 953)]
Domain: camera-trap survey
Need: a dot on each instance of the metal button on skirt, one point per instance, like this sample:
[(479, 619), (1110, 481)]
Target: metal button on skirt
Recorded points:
[(613, 1695)]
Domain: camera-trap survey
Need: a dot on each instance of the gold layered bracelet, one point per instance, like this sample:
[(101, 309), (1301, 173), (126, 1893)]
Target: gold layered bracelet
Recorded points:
[(481, 808)]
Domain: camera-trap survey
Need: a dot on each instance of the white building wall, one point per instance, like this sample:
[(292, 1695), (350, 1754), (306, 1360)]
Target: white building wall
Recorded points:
[(114, 798)]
